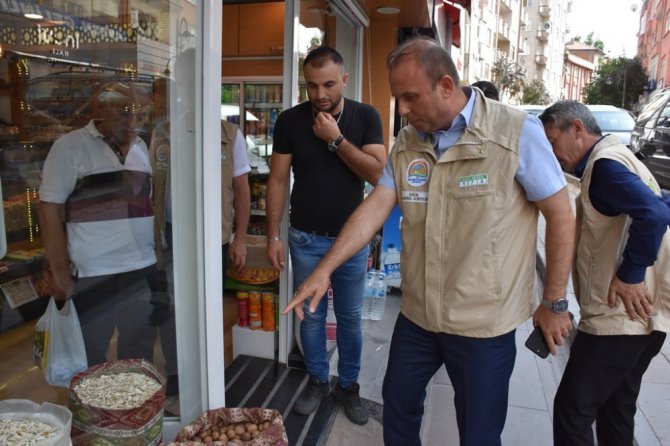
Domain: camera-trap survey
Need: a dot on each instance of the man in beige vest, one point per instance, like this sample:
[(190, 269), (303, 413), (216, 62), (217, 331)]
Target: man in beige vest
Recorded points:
[(235, 196), (620, 278), (469, 175)]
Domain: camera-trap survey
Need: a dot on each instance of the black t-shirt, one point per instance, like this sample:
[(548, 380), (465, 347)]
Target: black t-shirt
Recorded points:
[(325, 191)]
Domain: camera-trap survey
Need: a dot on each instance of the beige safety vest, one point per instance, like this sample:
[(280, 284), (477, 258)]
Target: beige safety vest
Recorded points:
[(468, 231), (228, 132), (600, 244)]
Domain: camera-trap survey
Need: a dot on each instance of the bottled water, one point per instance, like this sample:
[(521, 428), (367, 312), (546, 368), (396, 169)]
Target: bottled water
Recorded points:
[(368, 294), (378, 302)]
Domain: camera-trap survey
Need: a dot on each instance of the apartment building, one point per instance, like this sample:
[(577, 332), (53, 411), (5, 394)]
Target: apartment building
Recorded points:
[(530, 33), (653, 45)]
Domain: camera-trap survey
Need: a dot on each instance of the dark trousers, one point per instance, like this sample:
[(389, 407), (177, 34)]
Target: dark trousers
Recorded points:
[(601, 383), (479, 370), (115, 302)]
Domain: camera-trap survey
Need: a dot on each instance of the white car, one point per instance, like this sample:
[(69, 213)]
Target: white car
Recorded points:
[(532, 108), (614, 120)]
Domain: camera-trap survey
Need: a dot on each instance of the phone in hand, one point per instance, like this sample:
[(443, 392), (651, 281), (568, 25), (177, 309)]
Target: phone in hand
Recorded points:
[(536, 342)]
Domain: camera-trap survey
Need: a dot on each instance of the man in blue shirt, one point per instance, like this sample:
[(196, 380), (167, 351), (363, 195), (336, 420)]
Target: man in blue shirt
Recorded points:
[(620, 279)]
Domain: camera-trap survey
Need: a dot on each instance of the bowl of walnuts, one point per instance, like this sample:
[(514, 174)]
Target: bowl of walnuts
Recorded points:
[(234, 426)]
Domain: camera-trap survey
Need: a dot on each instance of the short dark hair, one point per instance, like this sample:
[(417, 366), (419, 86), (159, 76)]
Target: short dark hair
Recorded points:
[(322, 54), (435, 60), (563, 113), (488, 88)]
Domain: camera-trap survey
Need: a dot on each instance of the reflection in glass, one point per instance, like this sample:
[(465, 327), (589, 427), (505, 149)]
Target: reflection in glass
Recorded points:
[(95, 74)]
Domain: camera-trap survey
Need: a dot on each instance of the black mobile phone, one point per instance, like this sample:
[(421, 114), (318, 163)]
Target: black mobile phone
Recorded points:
[(537, 344)]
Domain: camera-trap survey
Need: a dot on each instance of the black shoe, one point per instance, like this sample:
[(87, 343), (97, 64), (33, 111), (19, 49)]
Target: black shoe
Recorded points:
[(310, 398), (353, 407)]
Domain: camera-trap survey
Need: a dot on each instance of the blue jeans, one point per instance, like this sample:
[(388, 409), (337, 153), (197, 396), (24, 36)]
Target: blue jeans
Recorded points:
[(348, 283), (479, 370)]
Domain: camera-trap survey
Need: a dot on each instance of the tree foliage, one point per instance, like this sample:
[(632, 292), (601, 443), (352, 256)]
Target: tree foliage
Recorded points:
[(618, 82), (509, 76), (590, 40), (535, 92)]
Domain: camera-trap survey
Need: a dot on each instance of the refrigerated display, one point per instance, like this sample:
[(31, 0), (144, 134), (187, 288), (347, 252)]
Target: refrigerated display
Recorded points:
[(262, 103)]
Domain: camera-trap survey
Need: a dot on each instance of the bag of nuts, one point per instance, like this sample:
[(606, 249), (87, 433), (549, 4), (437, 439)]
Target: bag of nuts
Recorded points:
[(235, 426), (117, 403)]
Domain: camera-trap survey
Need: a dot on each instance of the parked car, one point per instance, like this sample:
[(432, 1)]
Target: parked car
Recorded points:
[(614, 120), (650, 140), (532, 109)]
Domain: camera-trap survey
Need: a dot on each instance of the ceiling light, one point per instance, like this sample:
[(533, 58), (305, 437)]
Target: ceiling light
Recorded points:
[(34, 16), (388, 10)]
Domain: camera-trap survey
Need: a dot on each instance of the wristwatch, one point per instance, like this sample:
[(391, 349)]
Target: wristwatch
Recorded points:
[(558, 306), (334, 145)]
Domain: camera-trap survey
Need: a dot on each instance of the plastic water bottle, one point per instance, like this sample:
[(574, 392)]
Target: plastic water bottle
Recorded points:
[(379, 300), (368, 294)]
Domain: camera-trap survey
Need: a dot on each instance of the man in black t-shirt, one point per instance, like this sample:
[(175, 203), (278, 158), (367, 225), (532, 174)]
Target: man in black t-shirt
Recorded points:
[(333, 145)]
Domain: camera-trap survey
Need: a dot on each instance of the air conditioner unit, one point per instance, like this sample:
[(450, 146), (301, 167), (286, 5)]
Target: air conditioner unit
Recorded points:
[(546, 25)]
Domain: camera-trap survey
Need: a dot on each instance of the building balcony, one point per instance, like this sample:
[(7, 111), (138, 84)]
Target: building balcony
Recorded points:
[(505, 5), (542, 35), (540, 59), (545, 11), (523, 47), (523, 16), (503, 31)]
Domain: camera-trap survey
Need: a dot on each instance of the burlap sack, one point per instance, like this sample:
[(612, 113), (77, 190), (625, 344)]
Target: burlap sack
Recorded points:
[(140, 426), (274, 435)]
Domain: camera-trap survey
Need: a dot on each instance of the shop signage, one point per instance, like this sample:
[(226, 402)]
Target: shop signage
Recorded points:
[(45, 36)]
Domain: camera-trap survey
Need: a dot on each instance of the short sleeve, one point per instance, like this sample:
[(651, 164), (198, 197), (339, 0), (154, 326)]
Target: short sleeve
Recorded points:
[(539, 172), (58, 174), (374, 133), (240, 159)]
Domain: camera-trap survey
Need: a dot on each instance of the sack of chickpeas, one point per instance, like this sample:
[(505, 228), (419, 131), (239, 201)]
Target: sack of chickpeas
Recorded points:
[(117, 403), (234, 427)]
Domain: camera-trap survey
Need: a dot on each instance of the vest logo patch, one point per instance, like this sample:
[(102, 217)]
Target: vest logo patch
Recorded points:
[(417, 172), (481, 179)]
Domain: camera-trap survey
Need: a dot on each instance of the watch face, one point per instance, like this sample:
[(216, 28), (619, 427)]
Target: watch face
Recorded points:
[(332, 146), (560, 306)]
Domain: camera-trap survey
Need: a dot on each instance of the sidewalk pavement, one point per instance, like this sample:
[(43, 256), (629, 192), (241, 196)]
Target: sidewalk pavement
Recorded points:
[(532, 388)]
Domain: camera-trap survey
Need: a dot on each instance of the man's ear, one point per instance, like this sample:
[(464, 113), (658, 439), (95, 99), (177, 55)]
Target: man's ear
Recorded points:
[(447, 85), (345, 78), (579, 127)]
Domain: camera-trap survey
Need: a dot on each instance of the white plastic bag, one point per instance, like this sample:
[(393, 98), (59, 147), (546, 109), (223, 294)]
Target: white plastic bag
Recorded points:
[(58, 348)]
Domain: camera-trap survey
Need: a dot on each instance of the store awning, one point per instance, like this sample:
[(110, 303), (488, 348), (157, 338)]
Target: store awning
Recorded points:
[(453, 14)]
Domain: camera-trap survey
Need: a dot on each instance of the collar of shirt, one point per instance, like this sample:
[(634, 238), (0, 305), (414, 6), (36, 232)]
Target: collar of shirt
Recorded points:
[(581, 165), (443, 139)]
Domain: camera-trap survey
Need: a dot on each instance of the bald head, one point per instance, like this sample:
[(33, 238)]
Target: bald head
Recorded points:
[(429, 55)]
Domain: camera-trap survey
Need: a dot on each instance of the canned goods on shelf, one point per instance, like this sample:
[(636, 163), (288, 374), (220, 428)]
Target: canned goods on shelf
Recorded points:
[(255, 316), (268, 308), (243, 308)]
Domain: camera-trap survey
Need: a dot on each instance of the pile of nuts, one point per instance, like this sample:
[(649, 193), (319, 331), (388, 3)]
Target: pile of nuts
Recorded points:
[(237, 433), (117, 391), (25, 432)]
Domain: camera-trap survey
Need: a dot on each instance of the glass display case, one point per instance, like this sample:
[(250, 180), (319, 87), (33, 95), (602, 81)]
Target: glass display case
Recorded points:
[(262, 103)]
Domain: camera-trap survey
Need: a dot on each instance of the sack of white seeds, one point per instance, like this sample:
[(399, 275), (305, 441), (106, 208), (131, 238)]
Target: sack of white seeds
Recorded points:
[(117, 403), (235, 426), (26, 422)]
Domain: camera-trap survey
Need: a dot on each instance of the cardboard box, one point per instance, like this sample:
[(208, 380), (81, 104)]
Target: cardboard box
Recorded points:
[(257, 343)]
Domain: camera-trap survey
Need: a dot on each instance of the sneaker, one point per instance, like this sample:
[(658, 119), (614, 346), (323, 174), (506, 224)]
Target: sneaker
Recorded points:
[(353, 407), (311, 397)]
